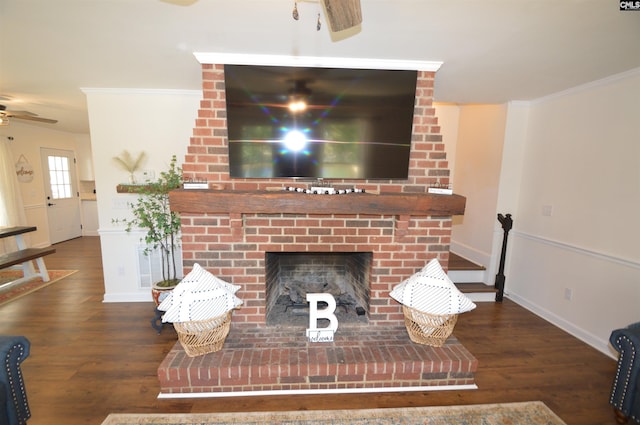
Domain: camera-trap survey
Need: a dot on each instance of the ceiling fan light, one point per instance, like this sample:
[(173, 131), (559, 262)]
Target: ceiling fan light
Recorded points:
[(297, 105), (4, 120)]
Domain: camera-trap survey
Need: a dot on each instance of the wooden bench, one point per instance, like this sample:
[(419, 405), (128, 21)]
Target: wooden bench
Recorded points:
[(24, 255)]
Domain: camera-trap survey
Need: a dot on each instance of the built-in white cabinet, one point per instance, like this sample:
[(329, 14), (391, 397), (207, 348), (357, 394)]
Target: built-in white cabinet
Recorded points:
[(89, 217)]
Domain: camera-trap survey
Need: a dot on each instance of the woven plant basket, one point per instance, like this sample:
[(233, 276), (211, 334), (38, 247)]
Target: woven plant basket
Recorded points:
[(428, 329), (204, 336)]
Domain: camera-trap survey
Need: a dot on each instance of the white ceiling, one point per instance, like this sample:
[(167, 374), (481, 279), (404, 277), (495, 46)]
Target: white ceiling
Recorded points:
[(493, 51)]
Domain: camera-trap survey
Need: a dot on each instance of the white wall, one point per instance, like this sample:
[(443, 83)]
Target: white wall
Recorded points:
[(567, 167), (158, 122), (476, 175), (448, 115), (581, 164), (27, 141)]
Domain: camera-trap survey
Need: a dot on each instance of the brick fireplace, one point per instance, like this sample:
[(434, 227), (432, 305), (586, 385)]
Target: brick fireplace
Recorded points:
[(230, 230), (403, 226)]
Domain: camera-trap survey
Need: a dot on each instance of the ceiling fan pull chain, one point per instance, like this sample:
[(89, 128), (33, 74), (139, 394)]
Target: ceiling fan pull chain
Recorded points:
[(318, 25), (295, 14)]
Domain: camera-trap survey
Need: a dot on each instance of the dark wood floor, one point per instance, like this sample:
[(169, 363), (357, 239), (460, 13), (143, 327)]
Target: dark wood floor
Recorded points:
[(89, 358), (457, 262)]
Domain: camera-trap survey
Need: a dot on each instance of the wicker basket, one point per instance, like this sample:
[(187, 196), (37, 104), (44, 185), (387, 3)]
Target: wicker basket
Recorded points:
[(428, 329), (204, 336)]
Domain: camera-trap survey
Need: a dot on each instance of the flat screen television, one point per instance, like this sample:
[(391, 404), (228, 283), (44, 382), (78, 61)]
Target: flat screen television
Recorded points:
[(350, 123)]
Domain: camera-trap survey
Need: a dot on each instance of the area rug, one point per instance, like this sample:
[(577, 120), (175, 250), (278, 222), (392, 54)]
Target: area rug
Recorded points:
[(13, 292), (527, 413)]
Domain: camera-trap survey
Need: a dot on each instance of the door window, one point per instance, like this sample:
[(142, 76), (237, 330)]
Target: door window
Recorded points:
[(59, 177)]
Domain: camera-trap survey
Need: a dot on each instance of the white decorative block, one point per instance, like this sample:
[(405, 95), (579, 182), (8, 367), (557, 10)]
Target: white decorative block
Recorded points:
[(315, 334)]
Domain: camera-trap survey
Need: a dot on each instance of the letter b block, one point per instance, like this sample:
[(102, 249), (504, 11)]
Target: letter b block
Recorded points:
[(314, 333)]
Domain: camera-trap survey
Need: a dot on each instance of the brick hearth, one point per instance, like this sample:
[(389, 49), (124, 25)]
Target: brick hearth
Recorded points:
[(281, 359)]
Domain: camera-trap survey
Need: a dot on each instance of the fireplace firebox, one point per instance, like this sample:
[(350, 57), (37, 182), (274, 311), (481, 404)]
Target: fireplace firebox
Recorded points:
[(291, 275)]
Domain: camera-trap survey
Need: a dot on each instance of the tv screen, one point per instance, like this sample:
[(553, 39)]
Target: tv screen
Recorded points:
[(328, 123)]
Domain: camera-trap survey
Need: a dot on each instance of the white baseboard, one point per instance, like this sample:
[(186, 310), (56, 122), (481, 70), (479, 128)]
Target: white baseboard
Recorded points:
[(318, 391), (467, 276), (581, 334), (470, 253)]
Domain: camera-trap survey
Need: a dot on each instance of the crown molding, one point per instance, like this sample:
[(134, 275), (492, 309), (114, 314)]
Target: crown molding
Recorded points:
[(611, 79), (130, 91)]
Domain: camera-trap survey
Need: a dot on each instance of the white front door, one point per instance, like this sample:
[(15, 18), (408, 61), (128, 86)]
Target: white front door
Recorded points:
[(61, 191)]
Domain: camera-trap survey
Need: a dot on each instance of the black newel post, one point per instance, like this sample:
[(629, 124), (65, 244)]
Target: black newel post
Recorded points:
[(507, 224)]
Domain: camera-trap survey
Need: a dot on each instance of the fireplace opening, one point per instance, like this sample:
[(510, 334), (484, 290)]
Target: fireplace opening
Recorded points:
[(291, 275)]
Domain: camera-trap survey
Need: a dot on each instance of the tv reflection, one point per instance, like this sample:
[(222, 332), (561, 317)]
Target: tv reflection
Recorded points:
[(304, 158)]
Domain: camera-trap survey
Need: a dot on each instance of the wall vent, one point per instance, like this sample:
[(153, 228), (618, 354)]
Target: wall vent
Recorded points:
[(150, 266)]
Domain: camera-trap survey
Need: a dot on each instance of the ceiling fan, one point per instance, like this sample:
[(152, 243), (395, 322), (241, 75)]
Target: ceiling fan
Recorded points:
[(343, 14), (5, 115)]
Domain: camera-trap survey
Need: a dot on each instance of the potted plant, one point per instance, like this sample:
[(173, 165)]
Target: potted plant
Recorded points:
[(151, 212)]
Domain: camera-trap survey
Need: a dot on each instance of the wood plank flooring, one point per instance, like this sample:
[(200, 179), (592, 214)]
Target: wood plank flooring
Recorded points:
[(456, 262), (90, 358)]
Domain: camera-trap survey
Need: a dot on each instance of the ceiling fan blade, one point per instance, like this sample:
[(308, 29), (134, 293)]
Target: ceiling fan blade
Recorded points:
[(21, 113), (343, 14), (24, 115), (32, 117)]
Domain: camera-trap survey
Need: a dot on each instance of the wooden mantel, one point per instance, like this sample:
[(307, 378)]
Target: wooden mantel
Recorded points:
[(200, 201)]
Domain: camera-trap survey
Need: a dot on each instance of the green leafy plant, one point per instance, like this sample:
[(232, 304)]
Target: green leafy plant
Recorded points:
[(151, 212)]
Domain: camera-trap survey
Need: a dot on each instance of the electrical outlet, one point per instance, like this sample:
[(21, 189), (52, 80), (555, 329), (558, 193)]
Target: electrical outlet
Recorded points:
[(547, 210), (568, 294), (118, 203)]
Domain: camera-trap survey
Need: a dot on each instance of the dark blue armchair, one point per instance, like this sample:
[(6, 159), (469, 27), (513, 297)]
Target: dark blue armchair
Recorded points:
[(14, 409), (625, 392)]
